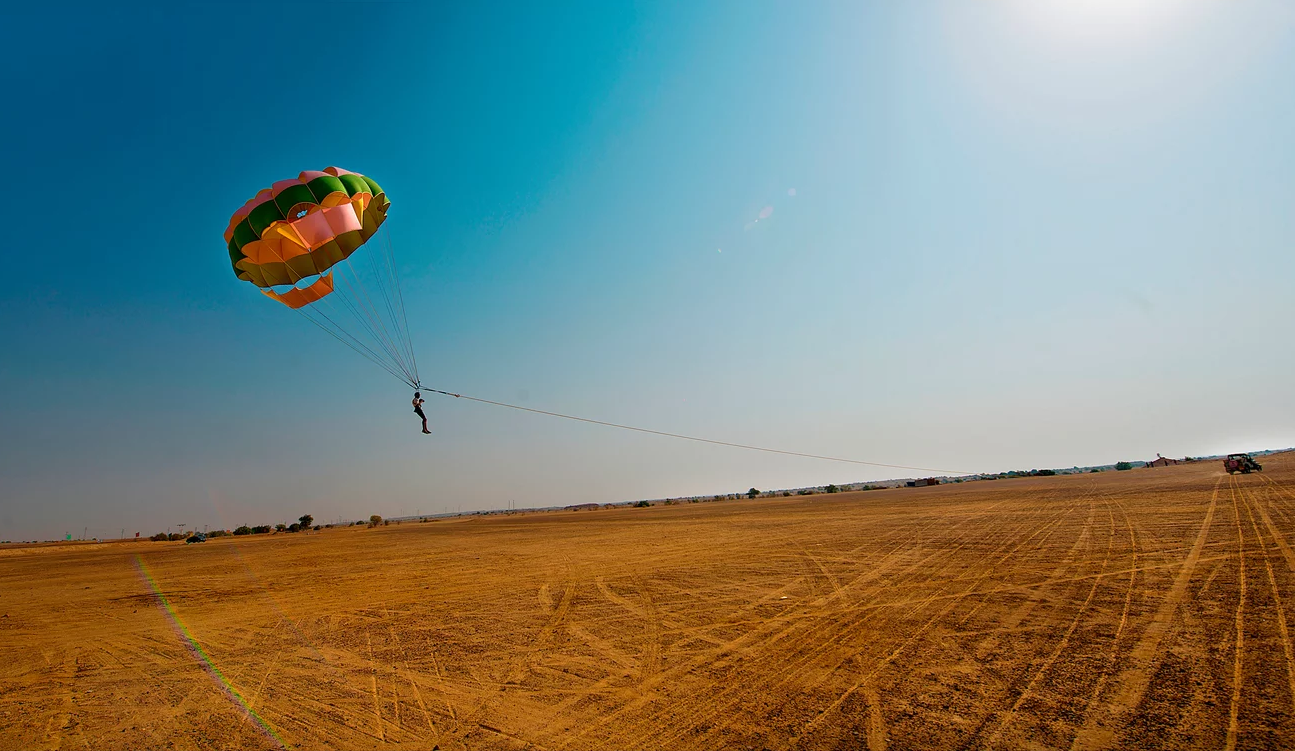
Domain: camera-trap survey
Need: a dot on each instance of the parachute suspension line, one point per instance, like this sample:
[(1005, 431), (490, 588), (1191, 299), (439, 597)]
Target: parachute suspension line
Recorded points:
[(341, 334), (365, 312), (387, 297), (694, 438), (398, 336), (399, 295), (362, 350), (400, 339), (387, 363)]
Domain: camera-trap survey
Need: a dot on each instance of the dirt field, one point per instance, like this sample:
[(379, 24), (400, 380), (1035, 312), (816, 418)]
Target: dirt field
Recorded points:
[(1141, 609)]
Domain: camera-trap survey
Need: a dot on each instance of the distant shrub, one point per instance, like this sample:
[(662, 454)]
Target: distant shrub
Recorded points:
[(294, 527), (160, 537), (642, 504), (177, 535), (1121, 466), (243, 530), (786, 494), (261, 529), (217, 533), (317, 527), (831, 489), (281, 527), (1047, 472), (375, 520)]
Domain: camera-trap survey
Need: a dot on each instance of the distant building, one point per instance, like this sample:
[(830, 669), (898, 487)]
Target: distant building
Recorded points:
[(1161, 461)]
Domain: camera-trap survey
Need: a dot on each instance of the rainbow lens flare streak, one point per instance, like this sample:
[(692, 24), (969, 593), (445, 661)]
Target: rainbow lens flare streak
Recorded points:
[(206, 662)]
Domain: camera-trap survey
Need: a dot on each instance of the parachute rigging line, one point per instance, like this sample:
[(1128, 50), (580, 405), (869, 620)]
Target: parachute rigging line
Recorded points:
[(694, 438), (388, 347), (306, 230)]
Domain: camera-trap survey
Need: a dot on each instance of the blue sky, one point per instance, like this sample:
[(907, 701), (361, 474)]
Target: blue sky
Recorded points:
[(1021, 235)]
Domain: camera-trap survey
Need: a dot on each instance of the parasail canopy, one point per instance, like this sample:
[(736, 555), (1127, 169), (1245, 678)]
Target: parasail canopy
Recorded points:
[(295, 240)]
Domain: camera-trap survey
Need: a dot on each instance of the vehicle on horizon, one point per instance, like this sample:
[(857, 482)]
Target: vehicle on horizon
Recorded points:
[(196, 537), (1242, 463)]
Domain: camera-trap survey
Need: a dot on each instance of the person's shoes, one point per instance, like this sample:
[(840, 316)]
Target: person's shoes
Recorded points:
[(427, 432)]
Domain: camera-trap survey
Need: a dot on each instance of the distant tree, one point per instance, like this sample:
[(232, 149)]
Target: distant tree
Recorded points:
[(294, 527), (1121, 466), (317, 527), (375, 520), (1047, 472), (306, 520), (752, 493), (786, 494), (281, 527), (261, 529), (642, 504), (160, 537), (831, 489), (177, 536), (1094, 471), (217, 533), (804, 492)]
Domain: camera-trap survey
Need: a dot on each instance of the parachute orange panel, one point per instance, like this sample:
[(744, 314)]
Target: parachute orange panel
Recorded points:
[(298, 298), (298, 229)]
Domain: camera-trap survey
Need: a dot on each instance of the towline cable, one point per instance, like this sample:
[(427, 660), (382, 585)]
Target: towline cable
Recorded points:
[(693, 438)]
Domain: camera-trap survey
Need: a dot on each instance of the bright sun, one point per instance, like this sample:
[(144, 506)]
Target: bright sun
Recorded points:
[(1098, 21)]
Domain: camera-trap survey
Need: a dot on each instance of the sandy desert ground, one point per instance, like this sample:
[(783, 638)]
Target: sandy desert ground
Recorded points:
[(1141, 609)]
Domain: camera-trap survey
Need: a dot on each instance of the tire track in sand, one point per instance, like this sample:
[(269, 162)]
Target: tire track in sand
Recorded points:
[(1119, 630), (1268, 522), (1276, 593), (404, 660), (522, 666), (1238, 675), (1028, 691), (864, 683), (1101, 729), (373, 678), (876, 722), (649, 729)]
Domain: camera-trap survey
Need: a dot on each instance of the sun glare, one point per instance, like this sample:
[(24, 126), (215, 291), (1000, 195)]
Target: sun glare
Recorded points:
[(1099, 22)]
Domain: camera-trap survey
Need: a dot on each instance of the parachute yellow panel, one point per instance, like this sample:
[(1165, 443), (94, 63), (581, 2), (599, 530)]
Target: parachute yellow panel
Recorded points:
[(298, 229)]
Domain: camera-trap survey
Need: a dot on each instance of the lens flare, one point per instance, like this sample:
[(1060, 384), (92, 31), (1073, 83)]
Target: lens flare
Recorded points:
[(201, 654)]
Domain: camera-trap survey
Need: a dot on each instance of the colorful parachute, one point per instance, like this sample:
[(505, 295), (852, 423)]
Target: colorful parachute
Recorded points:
[(295, 239)]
